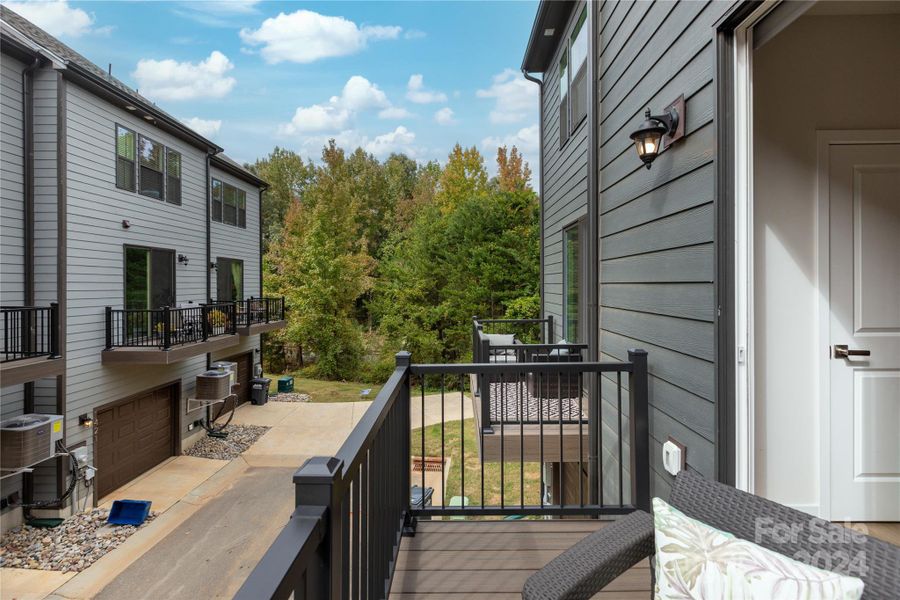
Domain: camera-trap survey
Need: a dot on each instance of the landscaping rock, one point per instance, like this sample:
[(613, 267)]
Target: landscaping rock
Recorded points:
[(77, 543), (290, 397), (240, 437)]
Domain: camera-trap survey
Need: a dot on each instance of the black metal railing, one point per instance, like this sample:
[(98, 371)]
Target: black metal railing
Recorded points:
[(351, 509), (30, 332), (257, 311), (524, 330), (167, 327)]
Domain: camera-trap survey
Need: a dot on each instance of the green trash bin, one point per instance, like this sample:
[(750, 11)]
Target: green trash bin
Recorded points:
[(285, 384)]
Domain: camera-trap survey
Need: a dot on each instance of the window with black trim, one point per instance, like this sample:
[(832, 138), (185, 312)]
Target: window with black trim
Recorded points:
[(152, 168), (229, 204), (173, 177), (125, 163), (573, 88)]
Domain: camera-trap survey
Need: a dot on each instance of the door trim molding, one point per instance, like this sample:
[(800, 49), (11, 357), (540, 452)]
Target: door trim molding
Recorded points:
[(825, 139)]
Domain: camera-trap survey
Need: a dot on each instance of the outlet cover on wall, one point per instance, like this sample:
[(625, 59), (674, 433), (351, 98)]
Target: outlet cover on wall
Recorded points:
[(674, 456)]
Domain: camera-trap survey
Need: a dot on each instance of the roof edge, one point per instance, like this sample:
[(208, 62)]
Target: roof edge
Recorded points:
[(226, 164), (551, 14)]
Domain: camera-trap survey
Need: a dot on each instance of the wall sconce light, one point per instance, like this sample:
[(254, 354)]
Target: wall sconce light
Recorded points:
[(182, 259), (213, 266), (126, 224), (658, 132), (86, 421)]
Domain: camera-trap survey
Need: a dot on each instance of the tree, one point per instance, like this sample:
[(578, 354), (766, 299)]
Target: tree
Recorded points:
[(513, 173), (287, 176), (463, 177), (320, 264)]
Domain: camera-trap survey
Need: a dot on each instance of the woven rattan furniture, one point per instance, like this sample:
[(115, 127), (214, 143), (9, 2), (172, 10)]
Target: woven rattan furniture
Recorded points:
[(590, 565)]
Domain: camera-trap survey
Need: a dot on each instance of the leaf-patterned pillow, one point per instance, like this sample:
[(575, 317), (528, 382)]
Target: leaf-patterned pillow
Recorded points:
[(694, 560)]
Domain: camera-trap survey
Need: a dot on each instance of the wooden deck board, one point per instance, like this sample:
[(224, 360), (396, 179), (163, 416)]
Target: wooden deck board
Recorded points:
[(493, 559)]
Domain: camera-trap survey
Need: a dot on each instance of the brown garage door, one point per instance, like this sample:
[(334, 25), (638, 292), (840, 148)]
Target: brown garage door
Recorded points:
[(244, 371), (133, 436)]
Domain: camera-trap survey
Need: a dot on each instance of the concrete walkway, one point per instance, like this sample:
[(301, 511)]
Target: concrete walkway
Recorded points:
[(208, 541)]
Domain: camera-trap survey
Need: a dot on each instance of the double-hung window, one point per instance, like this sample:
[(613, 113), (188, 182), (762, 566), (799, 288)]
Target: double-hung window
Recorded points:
[(125, 163), (573, 88), (173, 177), (229, 204), (151, 179)]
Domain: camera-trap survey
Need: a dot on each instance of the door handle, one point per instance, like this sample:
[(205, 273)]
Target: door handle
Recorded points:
[(844, 351)]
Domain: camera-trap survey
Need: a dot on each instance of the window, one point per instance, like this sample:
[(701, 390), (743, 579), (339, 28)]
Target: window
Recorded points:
[(173, 177), (563, 99), (125, 165), (242, 208), (578, 51), (151, 172), (229, 204), (573, 97), (217, 192), (572, 283), (229, 279), (229, 211)]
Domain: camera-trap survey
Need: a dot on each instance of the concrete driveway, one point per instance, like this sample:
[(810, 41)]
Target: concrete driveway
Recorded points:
[(207, 541)]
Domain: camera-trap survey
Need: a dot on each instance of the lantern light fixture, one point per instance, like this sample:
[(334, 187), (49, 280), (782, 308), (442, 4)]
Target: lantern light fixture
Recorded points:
[(182, 259), (658, 132)]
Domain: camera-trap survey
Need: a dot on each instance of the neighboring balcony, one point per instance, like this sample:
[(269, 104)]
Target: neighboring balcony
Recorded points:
[(167, 335), (258, 315), (31, 344)]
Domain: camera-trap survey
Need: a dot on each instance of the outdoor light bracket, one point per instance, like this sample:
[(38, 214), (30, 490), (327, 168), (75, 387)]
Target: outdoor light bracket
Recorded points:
[(673, 118)]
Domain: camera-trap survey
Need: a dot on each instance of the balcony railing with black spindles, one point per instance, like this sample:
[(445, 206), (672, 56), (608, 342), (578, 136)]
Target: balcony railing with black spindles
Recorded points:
[(167, 327), (258, 311), (30, 332), (353, 508)]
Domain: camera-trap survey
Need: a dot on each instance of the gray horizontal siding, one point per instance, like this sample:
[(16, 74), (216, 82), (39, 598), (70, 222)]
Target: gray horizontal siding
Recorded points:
[(657, 227), (229, 241), (95, 248), (564, 183), (12, 192)]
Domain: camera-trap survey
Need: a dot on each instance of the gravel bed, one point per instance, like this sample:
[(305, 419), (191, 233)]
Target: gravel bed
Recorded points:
[(240, 437), (77, 543), (290, 397)]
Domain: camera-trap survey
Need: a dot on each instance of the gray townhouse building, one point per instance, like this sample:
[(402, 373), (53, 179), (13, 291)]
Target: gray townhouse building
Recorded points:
[(746, 243), (130, 262)]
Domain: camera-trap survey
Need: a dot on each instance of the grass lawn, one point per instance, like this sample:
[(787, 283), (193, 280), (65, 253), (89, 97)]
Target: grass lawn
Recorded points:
[(328, 391), (453, 443)]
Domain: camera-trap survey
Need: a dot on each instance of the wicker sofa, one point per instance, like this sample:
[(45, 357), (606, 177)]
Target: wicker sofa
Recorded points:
[(590, 565)]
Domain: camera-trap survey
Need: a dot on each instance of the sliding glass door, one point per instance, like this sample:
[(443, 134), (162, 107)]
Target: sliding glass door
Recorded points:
[(229, 279)]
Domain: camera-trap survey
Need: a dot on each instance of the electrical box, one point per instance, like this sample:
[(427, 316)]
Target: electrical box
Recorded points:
[(673, 456)]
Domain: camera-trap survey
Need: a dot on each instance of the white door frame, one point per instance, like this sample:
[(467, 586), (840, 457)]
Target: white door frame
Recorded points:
[(744, 426), (826, 139)]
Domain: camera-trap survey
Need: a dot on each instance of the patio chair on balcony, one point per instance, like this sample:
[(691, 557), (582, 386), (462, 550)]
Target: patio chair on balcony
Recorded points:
[(555, 387), (590, 565)]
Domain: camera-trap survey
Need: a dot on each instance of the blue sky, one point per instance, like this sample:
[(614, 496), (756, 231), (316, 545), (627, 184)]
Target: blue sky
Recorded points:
[(251, 75)]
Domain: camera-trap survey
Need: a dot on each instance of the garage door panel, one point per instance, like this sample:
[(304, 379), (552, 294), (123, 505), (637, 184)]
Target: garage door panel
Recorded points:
[(133, 437)]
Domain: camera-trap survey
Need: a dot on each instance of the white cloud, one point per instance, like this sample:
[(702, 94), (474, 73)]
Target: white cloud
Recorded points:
[(305, 36), (399, 140), (526, 140), (358, 94), (206, 127), (414, 34), (515, 97), (231, 7), (395, 113), (418, 93), (57, 17), (444, 116), (172, 80)]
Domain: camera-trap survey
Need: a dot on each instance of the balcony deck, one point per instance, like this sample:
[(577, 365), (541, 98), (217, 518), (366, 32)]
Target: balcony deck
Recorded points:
[(492, 559)]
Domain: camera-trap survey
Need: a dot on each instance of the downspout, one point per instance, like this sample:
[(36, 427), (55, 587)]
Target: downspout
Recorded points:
[(28, 193), (593, 213), (208, 234), (540, 84)]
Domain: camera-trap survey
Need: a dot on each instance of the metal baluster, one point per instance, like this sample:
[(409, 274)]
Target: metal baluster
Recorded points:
[(621, 443)]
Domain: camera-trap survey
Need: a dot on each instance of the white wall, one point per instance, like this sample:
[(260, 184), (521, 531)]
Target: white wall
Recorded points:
[(822, 72)]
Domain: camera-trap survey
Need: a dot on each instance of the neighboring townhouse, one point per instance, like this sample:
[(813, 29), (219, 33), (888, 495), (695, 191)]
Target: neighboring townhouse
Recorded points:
[(131, 261), (720, 258)]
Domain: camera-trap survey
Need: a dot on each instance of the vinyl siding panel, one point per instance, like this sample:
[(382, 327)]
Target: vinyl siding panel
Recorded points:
[(564, 182), (657, 227), (229, 241), (45, 187), (12, 190)]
